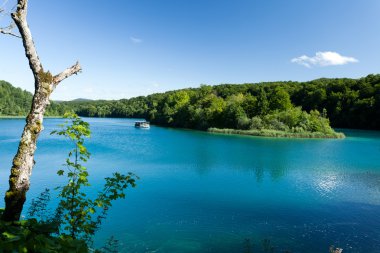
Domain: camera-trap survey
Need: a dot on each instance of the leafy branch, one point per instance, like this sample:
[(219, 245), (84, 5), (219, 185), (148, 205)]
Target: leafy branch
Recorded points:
[(82, 215)]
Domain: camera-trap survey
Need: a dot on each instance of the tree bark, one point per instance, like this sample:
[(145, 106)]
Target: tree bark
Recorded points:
[(45, 83)]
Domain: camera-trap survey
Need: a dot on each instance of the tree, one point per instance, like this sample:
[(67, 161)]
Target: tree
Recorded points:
[(45, 83), (262, 102), (280, 99)]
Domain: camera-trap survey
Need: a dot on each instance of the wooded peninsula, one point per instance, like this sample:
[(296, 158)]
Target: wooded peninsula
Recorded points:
[(278, 109)]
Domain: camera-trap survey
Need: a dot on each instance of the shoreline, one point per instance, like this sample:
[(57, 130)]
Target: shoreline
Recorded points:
[(258, 133), (277, 134), (23, 117)]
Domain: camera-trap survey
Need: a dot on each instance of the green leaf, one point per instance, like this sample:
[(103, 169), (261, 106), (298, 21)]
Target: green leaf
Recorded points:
[(10, 237)]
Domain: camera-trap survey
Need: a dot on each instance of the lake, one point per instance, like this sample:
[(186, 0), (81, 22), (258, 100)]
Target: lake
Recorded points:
[(202, 192)]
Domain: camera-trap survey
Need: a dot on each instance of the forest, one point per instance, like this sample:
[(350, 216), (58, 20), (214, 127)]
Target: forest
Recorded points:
[(346, 103), (17, 102)]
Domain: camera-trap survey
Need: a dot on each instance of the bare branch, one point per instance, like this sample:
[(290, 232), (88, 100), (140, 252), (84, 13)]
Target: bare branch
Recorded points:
[(9, 33), (8, 30), (75, 69)]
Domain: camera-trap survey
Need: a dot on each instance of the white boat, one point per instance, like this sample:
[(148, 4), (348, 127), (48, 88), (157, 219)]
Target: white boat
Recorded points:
[(142, 124)]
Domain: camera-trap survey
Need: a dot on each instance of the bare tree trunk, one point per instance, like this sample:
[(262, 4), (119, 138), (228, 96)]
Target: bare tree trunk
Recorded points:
[(45, 83)]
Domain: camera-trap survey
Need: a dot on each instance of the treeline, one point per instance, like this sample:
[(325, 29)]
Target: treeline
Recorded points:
[(17, 102), (348, 103), (14, 101)]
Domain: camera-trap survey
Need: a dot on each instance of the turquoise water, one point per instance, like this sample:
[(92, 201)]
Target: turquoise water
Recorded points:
[(202, 192)]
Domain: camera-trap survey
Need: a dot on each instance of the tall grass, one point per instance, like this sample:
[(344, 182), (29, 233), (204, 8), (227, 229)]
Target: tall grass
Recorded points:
[(279, 134)]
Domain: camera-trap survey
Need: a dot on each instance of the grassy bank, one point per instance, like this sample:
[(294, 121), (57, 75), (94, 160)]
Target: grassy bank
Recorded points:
[(278, 134)]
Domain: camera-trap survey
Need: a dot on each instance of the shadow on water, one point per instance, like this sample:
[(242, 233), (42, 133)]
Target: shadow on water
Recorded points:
[(246, 154)]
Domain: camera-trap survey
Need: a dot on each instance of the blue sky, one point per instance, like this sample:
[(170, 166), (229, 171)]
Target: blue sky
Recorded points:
[(138, 47)]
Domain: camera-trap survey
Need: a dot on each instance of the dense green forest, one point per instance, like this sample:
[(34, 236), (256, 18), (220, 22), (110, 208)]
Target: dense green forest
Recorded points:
[(347, 103), (16, 102)]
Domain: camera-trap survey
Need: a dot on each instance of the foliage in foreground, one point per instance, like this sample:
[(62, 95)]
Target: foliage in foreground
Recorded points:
[(82, 215), (76, 219), (32, 235)]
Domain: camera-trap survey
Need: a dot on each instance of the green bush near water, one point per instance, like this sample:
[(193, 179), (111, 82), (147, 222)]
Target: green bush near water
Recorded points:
[(291, 123), (276, 133)]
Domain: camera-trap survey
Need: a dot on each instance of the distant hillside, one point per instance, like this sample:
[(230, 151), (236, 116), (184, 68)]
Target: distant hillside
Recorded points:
[(81, 100), (17, 102), (74, 100)]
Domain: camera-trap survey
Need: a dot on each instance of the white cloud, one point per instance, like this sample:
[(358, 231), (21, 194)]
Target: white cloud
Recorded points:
[(323, 59), (135, 40)]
